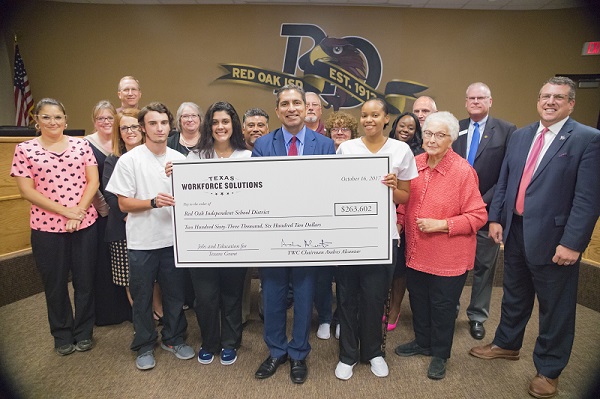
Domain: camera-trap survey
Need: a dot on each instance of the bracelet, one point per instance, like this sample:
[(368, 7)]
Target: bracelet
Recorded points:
[(153, 203)]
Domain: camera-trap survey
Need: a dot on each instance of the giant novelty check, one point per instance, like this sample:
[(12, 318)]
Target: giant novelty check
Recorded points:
[(282, 211)]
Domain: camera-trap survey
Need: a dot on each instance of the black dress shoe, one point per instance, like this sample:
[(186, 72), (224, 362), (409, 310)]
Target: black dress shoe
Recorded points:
[(477, 330), (269, 366), (298, 371)]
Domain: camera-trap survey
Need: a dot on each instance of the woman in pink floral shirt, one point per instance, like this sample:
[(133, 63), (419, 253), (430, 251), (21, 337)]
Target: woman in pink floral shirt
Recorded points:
[(440, 221), (59, 176)]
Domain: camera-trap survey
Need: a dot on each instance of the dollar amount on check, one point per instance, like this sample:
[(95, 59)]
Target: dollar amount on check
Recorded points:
[(282, 211)]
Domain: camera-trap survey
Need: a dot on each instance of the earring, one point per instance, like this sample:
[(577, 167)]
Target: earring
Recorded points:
[(66, 125), (37, 127)]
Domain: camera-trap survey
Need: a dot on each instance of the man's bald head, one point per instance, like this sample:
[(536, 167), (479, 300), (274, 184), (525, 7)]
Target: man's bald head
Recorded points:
[(422, 107)]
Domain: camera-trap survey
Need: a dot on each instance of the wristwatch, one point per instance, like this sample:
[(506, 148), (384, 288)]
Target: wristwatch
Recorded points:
[(153, 203)]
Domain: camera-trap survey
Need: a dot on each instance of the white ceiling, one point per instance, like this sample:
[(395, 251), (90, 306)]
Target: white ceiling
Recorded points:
[(457, 4)]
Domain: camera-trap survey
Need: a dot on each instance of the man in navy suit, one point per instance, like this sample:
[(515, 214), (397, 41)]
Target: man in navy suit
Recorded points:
[(482, 141), (293, 138), (545, 206)]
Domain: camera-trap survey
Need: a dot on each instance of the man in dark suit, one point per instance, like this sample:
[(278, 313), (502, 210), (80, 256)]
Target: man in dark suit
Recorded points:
[(293, 138), (482, 141), (545, 206)]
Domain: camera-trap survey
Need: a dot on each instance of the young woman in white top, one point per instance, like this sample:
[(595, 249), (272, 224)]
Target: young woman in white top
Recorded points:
[(219, 290), (362, 290)]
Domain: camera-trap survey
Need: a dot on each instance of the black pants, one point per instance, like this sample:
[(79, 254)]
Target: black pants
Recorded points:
[(146, 267), (433, 302), (219, 306), (361, 294), (57, 254)]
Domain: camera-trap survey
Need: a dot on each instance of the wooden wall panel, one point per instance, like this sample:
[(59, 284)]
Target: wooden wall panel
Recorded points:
[(14, 219), (593, 250), (7, 150)]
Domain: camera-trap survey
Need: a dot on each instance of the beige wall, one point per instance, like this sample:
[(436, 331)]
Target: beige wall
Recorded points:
[(77, 52)]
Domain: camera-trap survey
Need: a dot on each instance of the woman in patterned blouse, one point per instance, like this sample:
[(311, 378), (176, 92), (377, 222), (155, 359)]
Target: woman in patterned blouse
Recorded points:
[(59, 176)]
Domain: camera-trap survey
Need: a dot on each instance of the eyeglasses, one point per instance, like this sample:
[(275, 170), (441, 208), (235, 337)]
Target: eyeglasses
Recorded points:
[(105, 119), (339, 129), (133, 128), (478, 99), (557, 97), (48, 118), (190, 116), (438, 135)]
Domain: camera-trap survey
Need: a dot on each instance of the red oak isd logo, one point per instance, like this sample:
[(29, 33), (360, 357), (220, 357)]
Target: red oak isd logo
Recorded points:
[(345, 71)]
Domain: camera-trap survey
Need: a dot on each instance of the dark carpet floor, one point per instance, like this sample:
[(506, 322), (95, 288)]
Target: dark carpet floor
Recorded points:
[(30, 365)]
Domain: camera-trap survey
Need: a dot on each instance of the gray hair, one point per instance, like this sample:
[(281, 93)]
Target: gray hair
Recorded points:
[(431, 101), (255, 112), (481, 84), (180, 113), (445, 118), (562, 81)]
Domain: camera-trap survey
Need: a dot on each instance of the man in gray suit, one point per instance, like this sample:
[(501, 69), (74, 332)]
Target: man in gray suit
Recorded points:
[(482, 141)]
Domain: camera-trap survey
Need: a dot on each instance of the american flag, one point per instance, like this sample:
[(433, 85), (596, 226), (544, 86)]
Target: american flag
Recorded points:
[(23, 97)]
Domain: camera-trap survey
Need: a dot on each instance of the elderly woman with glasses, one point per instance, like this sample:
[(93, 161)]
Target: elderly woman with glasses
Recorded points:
[(188, 122), (340, 127), (440, 221)]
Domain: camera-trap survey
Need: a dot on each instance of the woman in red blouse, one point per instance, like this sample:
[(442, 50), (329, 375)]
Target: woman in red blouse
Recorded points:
[(59, 176), (440, 221)]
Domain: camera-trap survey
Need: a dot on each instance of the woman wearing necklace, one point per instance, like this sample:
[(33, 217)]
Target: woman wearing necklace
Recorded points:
[(59, 176), (362, 290), (189, 120), (112, 305), (219, 290)]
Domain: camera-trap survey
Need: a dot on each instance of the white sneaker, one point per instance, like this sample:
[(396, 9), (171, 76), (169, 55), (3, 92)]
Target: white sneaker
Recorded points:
[(324, 331), (337, 332), (343, 371), (379, 367)]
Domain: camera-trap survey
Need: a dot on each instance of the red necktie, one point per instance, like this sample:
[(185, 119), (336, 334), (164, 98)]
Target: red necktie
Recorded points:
[(293, 149), (528, 171)]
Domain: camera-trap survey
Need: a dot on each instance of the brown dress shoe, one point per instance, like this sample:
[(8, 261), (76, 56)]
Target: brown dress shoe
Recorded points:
[(543, 387), (491, 351)]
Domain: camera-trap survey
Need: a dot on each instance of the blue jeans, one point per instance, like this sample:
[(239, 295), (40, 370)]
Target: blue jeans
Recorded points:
[(323, 293)]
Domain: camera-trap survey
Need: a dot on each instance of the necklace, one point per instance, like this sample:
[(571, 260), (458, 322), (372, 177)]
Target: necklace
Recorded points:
[(185, 143), (224, 154)]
